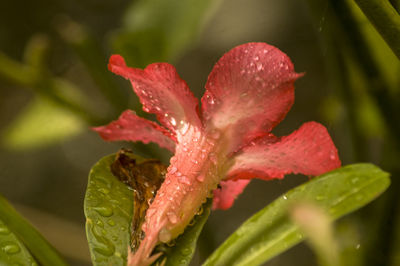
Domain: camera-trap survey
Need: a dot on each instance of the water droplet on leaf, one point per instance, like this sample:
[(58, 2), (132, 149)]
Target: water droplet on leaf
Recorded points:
[(104, 211), (10, 248)]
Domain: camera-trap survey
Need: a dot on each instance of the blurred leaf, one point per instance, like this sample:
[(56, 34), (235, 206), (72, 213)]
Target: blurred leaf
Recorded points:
[(317, 227), (382, 53), (42, 122), (12, 251), (184, 247), (158, 30), (108, 210), (385, 19), (40, 249), (270, 231)]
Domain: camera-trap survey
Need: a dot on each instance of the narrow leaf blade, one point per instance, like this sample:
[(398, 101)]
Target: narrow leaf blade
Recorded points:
[(270, 231), (44, 253), (12, 250)]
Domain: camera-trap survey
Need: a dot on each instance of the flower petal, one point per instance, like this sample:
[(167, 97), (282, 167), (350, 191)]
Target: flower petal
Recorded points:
[(162, 92), (130, 127), (225, 196), (250, 90), (309, 151)]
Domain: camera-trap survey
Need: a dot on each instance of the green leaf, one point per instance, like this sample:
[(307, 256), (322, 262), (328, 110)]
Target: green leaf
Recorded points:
[(41, 123), (158, 30), (43, 252), (270, 231), (182, 251), (13, 251), (108, 211)]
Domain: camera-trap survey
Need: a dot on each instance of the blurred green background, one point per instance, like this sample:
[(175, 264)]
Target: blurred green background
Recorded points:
[(54, 86)]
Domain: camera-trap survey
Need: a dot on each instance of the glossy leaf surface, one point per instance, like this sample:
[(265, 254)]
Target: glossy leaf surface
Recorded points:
[(40, 249), (12, 251), (108, 211), (270, 231)]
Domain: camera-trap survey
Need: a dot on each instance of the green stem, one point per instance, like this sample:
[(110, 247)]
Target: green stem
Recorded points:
[(386, 20), (33, 240)]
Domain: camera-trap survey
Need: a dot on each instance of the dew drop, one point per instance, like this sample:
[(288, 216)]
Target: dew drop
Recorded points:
[(172, 217), (185, 180), (11, 248), (284, 197), (4, 230), (100, 223), (173, 121), (105, 249), (213, 158), (104, 211), (320, 197), (178, 174), (200, 178), (164, 235), (259, 66), (104, 190), (111, 222), (185, 128)]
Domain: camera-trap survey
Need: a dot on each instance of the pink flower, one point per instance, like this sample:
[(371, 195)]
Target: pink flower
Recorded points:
[(227, 141)]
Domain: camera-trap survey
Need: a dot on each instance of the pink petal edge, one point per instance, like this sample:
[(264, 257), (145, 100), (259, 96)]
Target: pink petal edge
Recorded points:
[(309, 151), (249, 91), (227, 193), (162, 92), (130, 127)]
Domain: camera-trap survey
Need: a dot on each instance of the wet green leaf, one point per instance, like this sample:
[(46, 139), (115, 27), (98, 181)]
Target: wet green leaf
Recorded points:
[(181, 251), (42, 122), (157, 30), (108, 210), (270, 231), (23, 232), (12, 250)]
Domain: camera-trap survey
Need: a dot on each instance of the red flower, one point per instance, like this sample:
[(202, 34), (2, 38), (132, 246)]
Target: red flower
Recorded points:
[(227, 141)]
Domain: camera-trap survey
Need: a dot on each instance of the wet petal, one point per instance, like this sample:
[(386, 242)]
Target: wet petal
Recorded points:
[(230, 189), (162, 92), (249, 91), (130, 127), (309, 151)]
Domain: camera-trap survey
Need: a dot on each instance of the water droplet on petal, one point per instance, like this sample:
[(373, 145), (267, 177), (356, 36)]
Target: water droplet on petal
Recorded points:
[(172, 217), (200, 178), (173, 169), (184, 128), (185, 180), (164, 235), (104, 211)]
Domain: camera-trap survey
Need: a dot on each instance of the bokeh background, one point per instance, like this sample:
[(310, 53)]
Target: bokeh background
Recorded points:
[(54, 86)]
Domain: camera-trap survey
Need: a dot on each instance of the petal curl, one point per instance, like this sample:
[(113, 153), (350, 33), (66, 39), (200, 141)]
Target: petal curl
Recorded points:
[(230, 189), (309, 151), (250, 89), (162, 92), (130, 127)]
